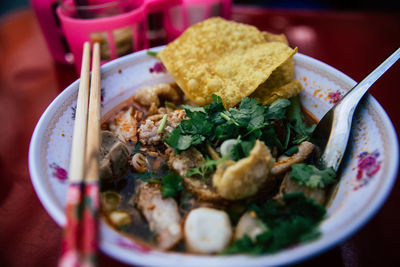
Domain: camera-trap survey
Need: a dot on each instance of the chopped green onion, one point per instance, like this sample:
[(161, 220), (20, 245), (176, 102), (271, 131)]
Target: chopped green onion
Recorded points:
[(151, 53), (162, 125)]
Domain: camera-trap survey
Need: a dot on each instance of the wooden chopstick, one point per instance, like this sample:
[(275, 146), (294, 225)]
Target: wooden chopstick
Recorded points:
[(91, 191), (79, 243)]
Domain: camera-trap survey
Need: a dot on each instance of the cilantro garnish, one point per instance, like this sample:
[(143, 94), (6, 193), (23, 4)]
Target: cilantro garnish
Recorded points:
[(242, 149), (296, 117), (171, 184), (289, 222), (214, 124), (310, 176), (207, 167)]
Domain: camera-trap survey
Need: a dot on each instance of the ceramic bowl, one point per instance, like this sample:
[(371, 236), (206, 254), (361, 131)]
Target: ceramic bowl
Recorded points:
[(368, 170)]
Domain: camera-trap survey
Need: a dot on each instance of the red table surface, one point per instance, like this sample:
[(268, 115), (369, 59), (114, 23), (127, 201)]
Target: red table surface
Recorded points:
[(354, 43)]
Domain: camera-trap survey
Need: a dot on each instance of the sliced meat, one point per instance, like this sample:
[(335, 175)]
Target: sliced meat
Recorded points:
[(149, 95), (148, 131), (289, 185), (182, 163), (162, 215), (283, 165), (207, 230), (249, 225), (124, 126), (114, 156), (241, 179)]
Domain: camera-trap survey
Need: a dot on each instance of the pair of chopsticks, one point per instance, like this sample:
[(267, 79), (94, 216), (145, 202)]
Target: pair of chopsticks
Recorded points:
[(80, 238)]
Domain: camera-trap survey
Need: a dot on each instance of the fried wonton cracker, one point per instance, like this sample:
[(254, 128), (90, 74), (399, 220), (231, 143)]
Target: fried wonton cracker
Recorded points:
[(288, 90), (282, 75), (222, 57)]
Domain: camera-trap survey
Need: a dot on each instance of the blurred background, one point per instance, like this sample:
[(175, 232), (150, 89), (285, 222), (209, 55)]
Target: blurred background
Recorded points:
[(383, 5)]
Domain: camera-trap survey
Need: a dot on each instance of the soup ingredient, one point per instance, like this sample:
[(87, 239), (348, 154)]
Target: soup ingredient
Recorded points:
[(162, 214), (295, 115), (289, 185), (114, 156), (213, 123), (152, 95), (250, 226), (139, 162), (207, 230), (149, 130), (283, 164), (171, 185), (183, 164), (267, 96), (237, 180), (232, 65), (185, 161), (310, 176), (120, 218), (206, 168), (162, 124), (289, 221), (227, 146), (110, 201), (124, 126)]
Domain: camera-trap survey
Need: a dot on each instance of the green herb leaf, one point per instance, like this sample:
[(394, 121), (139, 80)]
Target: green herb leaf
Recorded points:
[(277, 110), (215, 124), (172, 184), (291, 151), (207, 167), (242, 149), (310, 176), (191, 109), (290, 221), (178, 141), (296, 117)]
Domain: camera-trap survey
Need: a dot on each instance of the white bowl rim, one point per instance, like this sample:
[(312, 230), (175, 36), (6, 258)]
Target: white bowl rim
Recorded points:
[(310, 251)]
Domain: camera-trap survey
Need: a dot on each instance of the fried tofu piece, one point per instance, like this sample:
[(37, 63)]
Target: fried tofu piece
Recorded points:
[(241, 179)]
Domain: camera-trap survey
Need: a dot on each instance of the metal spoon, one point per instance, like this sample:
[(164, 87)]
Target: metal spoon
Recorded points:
[(332, 132)]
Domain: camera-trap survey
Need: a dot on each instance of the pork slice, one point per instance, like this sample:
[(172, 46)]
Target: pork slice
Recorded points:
[(289, 185), (162, 215), (283, 165)]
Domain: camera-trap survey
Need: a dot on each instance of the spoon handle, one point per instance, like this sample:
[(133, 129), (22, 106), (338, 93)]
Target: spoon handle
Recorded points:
[(336, 124), (357, 92)]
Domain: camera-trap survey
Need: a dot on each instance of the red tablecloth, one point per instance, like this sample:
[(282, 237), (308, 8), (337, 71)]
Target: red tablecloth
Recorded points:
[(354, 43)]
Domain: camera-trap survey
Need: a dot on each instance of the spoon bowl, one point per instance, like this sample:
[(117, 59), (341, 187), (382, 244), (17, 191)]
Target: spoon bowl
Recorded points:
[(332, 132)]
